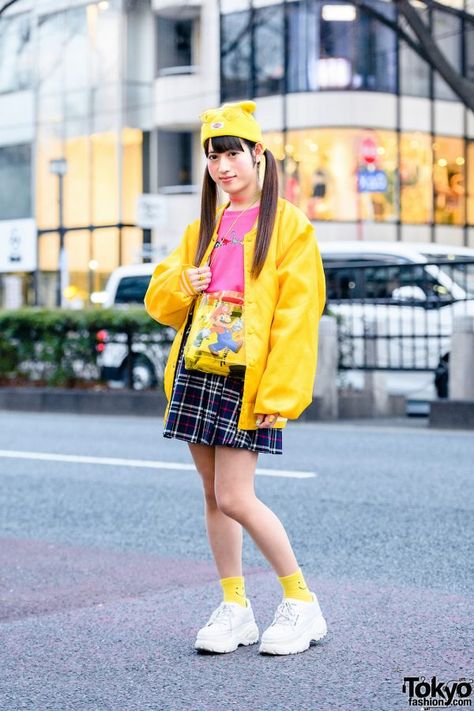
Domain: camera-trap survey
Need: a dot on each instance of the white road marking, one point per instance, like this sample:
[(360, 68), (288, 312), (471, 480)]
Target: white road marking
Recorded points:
[(355, 428), (140, 463)]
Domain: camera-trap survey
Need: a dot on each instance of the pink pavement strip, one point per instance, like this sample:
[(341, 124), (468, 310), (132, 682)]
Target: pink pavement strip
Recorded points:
[(38, 577)]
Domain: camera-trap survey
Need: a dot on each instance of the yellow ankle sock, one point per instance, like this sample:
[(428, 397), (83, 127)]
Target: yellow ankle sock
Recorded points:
[(234, 590), (294, 586)]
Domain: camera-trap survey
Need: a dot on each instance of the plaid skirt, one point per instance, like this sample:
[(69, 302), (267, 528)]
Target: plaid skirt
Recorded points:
[(205, 409)]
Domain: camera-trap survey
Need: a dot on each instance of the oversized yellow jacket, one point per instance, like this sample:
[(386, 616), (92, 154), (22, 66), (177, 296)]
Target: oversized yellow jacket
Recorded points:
[(281, 314)]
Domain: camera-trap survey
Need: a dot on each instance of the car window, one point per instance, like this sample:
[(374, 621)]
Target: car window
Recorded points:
[(412, 275), (460, 269), (346, 282), (132, 289)]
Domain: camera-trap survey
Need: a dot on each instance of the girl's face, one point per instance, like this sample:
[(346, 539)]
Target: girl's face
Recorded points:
[(234, 170)]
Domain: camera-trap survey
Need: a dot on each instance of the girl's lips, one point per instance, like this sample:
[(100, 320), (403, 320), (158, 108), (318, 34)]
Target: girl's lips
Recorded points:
[(227, 180)]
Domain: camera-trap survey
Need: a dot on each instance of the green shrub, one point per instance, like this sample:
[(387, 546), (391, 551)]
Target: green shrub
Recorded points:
[(58, 347)]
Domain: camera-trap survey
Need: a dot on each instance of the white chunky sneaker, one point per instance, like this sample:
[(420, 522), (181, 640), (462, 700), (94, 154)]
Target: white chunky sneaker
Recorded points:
[(229, 625), (295, 624)]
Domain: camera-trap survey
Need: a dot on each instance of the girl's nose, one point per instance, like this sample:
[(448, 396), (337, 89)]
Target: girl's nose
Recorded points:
[(223, 165)]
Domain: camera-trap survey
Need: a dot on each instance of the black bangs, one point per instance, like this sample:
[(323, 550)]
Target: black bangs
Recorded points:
[(221, 144)]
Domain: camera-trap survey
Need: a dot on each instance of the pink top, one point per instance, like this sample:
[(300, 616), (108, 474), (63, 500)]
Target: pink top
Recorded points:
[(227, 257)]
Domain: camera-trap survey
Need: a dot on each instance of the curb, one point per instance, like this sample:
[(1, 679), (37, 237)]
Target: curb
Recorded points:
[(452, 414), (153, 403), (83, 402)]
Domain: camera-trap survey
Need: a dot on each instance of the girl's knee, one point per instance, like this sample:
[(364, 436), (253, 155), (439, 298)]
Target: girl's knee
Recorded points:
[(233, 505)]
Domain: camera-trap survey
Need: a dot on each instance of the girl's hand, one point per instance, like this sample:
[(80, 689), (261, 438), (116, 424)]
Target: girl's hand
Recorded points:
[(199, 277), (266, 420)]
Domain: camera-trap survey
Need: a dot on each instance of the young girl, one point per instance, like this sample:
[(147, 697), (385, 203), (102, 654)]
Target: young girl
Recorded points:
[(262, 245)]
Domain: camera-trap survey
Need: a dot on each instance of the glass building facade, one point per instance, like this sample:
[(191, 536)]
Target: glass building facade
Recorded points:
[(424, 179), (79, 118), (71, 61), (295, 47), (116, 88), (421, 177)]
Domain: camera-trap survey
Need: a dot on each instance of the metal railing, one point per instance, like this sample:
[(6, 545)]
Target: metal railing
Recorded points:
[(136, 359), (397, 316), (390, 316)]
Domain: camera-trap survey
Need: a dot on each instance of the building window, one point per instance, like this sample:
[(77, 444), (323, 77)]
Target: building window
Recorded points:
[(132, 172), (357, 50), (174, 159), (470, 184), (448, 179), (375, 58), (416, 178), (341, 174), (15, 179), (15, 54), (414, 73), (269, 51), (328, 47), (175, 44), (105, 250), (469, 50), (236, 77), (303, 46), (52, 39), (105, 191), (335, 65), (447, 31), (350, 174)]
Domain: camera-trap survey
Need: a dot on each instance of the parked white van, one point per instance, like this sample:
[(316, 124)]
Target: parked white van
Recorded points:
[(383, 292), (395, 310), (125, 288)]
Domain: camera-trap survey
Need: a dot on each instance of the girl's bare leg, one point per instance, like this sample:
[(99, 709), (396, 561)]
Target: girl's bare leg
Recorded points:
[(224, 533), (236, 498)]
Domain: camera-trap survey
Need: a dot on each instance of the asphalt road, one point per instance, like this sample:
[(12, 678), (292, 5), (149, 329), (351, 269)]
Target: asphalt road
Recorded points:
[(106, 573)]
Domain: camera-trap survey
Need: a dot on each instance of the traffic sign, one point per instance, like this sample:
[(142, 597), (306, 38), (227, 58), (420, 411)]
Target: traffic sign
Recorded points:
[(151, 211), (372, 181), (17, 246)]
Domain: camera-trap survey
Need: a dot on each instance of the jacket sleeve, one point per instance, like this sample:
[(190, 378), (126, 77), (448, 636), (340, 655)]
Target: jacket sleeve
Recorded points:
[(170, 294), (287, 383)]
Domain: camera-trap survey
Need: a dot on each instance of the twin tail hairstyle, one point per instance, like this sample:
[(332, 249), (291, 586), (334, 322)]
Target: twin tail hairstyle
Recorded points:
[(268, 201)]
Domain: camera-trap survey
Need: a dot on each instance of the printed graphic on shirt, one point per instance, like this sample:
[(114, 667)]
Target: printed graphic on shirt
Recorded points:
[(232, 238)]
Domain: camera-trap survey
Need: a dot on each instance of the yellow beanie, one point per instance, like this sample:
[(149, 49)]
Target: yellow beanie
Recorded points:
[(231, 120)]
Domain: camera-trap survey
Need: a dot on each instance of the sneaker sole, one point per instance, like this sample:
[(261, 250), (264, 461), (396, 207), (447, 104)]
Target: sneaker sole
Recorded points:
[(247, 635), (317, 631)]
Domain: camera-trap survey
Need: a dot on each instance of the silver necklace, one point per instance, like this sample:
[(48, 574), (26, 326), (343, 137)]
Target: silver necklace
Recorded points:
[(221, 240)]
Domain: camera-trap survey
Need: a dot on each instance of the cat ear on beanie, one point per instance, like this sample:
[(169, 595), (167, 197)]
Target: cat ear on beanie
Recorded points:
[(234, 119)]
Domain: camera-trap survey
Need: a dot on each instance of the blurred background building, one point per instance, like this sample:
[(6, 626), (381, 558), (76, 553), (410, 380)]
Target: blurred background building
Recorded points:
[(99, 127)]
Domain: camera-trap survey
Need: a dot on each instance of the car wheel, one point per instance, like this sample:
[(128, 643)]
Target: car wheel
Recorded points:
[(143, 374)]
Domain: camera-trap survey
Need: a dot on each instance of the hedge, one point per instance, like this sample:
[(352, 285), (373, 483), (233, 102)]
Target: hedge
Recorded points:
[(58, 347)]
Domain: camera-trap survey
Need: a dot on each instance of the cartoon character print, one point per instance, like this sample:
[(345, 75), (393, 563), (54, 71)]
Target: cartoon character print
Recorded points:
[(221, 320)]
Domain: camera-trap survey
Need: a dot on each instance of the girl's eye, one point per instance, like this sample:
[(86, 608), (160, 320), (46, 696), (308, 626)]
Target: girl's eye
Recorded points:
[(233, 153)]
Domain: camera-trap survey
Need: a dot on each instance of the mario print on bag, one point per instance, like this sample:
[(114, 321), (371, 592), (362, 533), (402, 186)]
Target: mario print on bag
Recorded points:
[(216, 341), (224, 328)]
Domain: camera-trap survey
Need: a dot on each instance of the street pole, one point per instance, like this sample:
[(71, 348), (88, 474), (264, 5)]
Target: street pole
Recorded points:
[(62, 256), (59, 167)]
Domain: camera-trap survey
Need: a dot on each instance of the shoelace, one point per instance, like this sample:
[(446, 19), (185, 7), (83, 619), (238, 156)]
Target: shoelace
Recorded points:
[(223, 611), (285, 614)]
